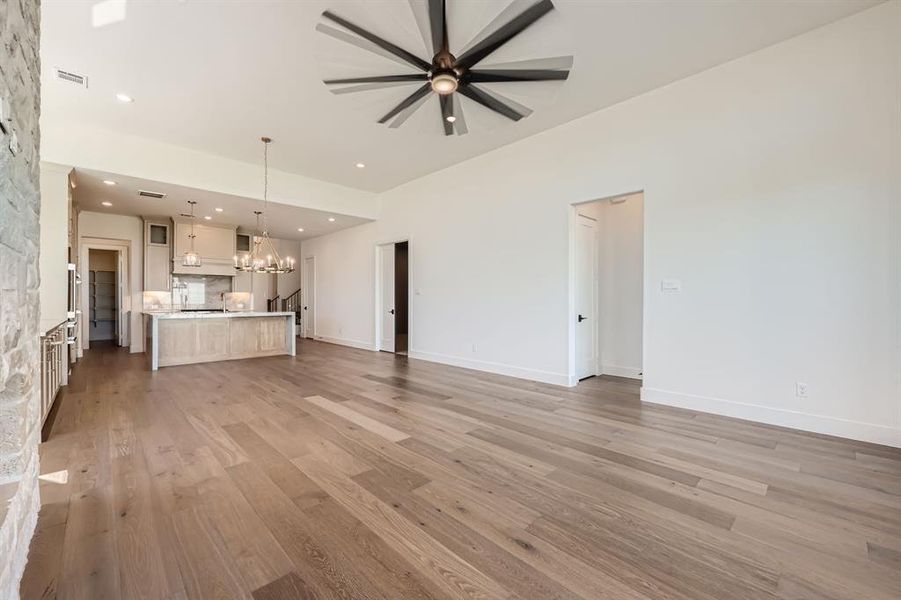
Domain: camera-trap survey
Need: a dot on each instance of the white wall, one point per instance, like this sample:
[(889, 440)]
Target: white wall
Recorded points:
[(772, 190), (121, 227), (345, 285), (54, 258)]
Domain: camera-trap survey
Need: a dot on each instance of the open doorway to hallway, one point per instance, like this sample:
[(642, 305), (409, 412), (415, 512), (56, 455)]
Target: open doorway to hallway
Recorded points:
[(105, 301), (392, 297), (608, 286), (103, 295)]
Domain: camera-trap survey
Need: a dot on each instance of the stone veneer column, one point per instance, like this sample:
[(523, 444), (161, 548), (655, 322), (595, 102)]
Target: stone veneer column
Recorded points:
[(19, 279)]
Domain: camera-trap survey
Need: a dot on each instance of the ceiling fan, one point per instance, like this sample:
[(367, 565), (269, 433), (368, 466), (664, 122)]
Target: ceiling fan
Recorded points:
[(447, 75)]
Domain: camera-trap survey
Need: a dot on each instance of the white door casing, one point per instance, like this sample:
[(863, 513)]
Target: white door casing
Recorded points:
[(121, 290), (308, 295), (586, 289)]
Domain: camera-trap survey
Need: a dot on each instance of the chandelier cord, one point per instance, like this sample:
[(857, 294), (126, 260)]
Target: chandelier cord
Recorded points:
[(265, 183)]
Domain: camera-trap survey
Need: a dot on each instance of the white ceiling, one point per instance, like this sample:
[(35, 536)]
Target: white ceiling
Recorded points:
[(215, 75), (282, 220)]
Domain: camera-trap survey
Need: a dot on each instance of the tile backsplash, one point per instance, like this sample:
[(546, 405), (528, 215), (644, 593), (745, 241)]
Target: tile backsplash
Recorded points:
[(191, 291)]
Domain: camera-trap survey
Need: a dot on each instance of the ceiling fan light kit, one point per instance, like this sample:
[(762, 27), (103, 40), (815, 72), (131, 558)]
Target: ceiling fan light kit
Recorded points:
[(446, 74)]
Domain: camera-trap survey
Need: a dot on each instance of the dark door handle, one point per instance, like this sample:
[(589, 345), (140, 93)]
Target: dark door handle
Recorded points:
[(391, 311), (304, 307), (581, 318)]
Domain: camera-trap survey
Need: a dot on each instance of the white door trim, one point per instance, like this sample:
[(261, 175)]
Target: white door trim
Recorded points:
[(591, 312), (377, 291)]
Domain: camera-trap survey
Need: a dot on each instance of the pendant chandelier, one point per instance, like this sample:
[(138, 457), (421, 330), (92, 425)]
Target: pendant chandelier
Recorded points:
[(263, 257), (190, 257)]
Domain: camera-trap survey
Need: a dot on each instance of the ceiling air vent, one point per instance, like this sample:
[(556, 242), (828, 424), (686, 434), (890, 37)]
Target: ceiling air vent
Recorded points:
[(70, 77), (147, 194)]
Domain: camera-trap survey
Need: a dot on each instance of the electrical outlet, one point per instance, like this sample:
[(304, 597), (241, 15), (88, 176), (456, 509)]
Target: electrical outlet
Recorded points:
[(800, 389), (473, 348), (671, 286)]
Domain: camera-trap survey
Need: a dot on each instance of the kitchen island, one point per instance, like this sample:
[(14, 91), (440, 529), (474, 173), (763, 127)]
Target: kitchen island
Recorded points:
[(181, 338)]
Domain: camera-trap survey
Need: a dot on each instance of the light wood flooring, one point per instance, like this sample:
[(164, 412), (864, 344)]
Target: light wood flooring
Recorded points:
[(343, 473)]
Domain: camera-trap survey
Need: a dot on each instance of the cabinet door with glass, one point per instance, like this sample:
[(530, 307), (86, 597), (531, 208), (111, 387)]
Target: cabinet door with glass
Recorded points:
[(157, 256)]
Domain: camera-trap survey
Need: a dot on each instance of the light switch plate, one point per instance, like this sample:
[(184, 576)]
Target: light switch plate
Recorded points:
[(670, 286)]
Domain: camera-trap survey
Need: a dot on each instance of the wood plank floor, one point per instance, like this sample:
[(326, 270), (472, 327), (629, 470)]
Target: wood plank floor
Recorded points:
[(342, 473)]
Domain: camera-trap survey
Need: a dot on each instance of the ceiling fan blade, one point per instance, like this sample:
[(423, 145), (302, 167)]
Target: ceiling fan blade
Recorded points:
[(504, 33), (380, 79), (489, 101), (365, 87), (497, 75), (447, 110), (555, 63), (511, 10), (349, 38), (381, 43), (438, 25), (408, 101), (460, 124), (406, 113)]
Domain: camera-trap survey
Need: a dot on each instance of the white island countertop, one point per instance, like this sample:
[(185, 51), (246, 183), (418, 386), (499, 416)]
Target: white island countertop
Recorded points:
[(213, 314)]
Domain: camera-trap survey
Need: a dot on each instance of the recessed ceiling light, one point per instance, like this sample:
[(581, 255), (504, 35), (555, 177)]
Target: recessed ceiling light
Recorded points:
[(450, 118), (331, 219), (300, 229), (218, 209), (106, 203), (361, 166), (124, 98), (109, 182), (208, 217)]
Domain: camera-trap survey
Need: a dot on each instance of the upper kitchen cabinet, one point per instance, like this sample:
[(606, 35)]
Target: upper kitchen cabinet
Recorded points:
[(157, 254), (214, 244)]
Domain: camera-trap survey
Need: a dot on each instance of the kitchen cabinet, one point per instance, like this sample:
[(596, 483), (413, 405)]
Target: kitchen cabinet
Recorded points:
[(215, 244), (157, 255)]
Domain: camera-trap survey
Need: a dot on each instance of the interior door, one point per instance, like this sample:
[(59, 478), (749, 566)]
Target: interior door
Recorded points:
[(309, 297), (586, 245), (122, 314), (386, 256)]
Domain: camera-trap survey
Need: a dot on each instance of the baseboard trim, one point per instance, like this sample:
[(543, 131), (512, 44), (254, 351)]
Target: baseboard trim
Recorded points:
[(362, 345), (855, 430), (617, 371), (493, 367)]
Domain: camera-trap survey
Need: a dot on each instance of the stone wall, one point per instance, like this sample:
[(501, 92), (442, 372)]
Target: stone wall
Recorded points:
[(19, 279)]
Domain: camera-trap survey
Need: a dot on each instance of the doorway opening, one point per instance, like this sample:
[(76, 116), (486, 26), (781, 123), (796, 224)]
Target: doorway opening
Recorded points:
[(392, 297), (103, 309), (608, 287), (105, 299)]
